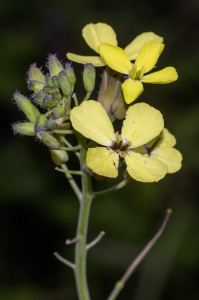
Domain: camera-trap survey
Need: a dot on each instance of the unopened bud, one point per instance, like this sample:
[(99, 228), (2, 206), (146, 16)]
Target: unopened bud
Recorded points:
[(54, 65), (60, 110), (49, 81), (40, 123), (50, 90), (55, 81), (49, 101), (27, 107), (48, 140), (36, 86), (37, 79), (70, 73), (64, 83), (26, 128), (59, 156), (118, 107), (89, 77), (39, 97)]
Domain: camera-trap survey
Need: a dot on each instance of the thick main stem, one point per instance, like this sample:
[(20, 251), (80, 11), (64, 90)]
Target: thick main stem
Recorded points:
[(80, 250)]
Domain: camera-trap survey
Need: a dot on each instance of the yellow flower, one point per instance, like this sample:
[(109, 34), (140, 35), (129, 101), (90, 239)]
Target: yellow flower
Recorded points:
[(143, 124), (117, 59), (95, 34)]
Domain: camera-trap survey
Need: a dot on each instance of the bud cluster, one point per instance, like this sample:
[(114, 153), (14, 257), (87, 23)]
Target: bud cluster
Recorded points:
[(51, 92)]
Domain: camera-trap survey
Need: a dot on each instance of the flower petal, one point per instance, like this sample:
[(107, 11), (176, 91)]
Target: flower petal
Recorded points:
[(91, 120), (142, 124), (143, 168), (103, 161), (149, 55), (136, 45), (166, 139), (131, 90), (97, 61), (171, 157), (163, 76), (95, 34), (115, 58)]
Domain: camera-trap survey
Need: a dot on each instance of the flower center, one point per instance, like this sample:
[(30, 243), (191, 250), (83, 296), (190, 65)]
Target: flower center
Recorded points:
[(136, 74), (120, 148)]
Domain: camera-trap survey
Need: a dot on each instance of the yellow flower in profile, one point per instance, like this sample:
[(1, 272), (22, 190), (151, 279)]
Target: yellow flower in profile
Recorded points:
[(143, 123), (117, 59), (95, 34)]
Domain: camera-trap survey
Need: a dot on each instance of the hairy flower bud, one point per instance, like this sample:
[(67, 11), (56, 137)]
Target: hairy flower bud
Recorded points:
[(59, 156), (40, 123), (89, 77), (27, 107), (26, 128), (48, 140), (49, 81), (64, 83), (70, 73), (60, 110), (36, 79), (54, 65)]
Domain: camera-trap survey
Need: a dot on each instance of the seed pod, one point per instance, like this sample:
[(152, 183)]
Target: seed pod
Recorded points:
[(27, 107), (37, 79), (59, 156), (40, 123), (48, 140), (54, 65), (64, 83), (89, 77), (26, 128), (70, 73)]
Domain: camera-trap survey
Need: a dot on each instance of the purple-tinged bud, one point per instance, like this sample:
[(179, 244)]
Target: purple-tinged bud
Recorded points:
[(39, 97), (27, 107), (64, 83), (40, 123), (60, 110), (36, 79), (49, 81), (48, 140), (70, 73), (89, 76), (26, 128), (49, 101), (54, 65), (59, 156)]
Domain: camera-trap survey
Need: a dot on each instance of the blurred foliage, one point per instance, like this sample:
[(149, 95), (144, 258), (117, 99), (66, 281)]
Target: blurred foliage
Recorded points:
[(38, 210)]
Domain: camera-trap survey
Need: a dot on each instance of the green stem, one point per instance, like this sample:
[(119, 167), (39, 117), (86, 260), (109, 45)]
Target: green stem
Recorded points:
[(72, 182), (113, 189), (80, 250), (87, 96), (71, 131), (121, 283), (69, 171), (71, 148), (75, 99), (69, 145)]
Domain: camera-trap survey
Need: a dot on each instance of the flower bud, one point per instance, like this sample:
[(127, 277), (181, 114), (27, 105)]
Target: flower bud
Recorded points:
[(27, 107), (70, 73), (64, 83), (54, 65), (36, 86), (59, 156), (49, 101), (49, 81), (39, 97), (40, 123), (48, 140), (26, 128), (89, 77), (60, 110), (118, 107), (37, 79), (55, 81)]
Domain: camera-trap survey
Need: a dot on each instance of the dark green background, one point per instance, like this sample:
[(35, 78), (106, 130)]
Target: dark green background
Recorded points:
[(38, 210)]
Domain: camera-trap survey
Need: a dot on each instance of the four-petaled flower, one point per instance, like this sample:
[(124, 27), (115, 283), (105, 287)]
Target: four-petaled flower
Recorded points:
[(145, 162), (95, 34), (117, 59)]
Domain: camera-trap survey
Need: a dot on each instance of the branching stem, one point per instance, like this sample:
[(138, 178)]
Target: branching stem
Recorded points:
[(108, 191)]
